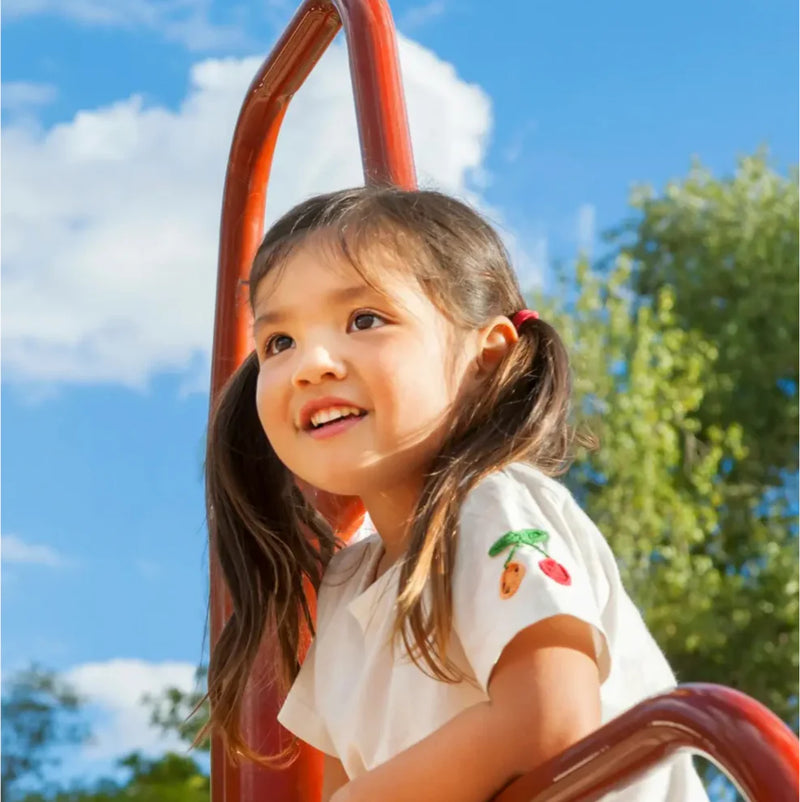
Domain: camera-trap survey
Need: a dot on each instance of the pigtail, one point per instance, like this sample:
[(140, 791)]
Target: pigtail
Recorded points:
[(269, 542), (534, 388), (521, 416)]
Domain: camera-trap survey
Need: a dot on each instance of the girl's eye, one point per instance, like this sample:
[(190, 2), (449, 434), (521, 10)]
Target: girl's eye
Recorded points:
[(365, 320), (276, 344), (360, 322)]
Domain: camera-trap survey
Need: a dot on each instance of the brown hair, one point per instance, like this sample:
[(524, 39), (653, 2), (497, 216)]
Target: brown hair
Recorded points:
[(268, 538)]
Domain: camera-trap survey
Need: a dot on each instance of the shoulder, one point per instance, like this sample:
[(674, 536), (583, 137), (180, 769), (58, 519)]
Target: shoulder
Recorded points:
[(536, 482), (516, 486), (520, 500)]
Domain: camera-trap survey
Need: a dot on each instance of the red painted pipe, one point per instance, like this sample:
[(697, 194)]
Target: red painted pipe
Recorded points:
[(387, 159), (741, 736)]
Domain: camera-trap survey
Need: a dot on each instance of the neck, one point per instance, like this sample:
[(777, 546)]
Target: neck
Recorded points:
[(392, 512)]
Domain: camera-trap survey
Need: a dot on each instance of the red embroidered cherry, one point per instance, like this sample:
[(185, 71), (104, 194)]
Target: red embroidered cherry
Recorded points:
[(555, 571)]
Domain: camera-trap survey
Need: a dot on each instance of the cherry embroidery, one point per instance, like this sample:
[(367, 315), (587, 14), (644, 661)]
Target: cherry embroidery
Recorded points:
[(555, 571), (513, 572)]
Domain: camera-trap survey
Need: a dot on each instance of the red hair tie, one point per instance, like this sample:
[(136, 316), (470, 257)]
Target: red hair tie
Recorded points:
[(522, 316)]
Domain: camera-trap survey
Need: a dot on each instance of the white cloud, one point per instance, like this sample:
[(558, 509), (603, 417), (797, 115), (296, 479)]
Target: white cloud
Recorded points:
[(418, 16), (586, 227), (519, 141), (115, 689), (110, 225), (185, 22), (24, 95), (16, 550), (530, 255)]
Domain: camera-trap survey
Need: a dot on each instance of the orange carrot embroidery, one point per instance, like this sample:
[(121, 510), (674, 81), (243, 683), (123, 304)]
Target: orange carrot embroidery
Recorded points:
[(510, 579)]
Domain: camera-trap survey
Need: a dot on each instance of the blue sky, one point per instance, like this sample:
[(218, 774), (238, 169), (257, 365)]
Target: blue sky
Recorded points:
[(117, 117)]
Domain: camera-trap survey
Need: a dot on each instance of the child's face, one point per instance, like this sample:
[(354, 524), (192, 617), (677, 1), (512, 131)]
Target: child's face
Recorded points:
[(394, 356)]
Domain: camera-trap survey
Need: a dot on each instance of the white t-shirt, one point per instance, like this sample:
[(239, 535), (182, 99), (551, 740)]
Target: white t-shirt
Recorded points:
[(360, 700)]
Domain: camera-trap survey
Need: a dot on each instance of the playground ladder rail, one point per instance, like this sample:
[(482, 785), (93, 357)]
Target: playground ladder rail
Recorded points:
[(747, 741)]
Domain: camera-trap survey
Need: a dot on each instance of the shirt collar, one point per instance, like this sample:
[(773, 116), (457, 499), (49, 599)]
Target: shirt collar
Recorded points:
[(376, 597)]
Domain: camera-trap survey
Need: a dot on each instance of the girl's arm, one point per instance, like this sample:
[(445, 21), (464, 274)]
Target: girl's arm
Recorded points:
[(333, 777), (544, 696)]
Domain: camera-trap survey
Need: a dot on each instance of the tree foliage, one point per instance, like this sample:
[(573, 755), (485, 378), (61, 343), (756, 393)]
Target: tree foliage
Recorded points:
[(169, 778), (40, 714), (175, 711), (685, 348), (728, 249)]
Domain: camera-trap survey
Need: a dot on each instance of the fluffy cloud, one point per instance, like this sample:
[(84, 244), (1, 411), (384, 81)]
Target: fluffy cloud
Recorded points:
[(419, 16), (110, 225), (22, 95), (185, 22), (114, 691), (16, 550)]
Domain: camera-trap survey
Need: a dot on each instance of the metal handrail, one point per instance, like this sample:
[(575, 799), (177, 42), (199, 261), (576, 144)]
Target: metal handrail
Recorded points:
[(756, 750), (387, 159)]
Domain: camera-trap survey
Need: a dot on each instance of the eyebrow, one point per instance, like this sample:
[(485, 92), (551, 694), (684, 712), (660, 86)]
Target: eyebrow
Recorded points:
[(336, 297)]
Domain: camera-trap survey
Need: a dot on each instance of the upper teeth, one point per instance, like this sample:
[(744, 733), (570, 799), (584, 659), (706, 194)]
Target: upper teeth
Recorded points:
[(332, 413)]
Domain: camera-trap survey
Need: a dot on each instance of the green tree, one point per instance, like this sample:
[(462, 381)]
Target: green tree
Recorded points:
[(677, 364), (181, 713), (169, 778), (40, 714), (728, 249)]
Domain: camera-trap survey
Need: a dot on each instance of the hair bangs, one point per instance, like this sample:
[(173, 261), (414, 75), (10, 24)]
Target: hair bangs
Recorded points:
[(372, 244)]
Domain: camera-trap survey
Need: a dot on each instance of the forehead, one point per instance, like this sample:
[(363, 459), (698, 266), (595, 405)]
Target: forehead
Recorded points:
[(318, 271)]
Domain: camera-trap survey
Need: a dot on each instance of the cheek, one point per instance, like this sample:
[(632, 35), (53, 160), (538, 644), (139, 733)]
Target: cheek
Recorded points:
[(416, 384), (268, 400)]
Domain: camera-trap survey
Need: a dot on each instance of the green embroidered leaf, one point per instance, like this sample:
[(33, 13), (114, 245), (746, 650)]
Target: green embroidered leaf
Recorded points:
[(506, 541), (520, 537), (534, 537)]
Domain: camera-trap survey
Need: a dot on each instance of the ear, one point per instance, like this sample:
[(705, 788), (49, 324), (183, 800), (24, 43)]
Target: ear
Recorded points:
[(494, 342)]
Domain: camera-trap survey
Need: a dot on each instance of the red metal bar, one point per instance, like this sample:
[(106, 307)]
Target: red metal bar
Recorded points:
[(741, 736), (380, 104), (387, 158)]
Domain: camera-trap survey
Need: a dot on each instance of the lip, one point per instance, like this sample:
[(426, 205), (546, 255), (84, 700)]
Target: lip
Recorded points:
[(309, 408)]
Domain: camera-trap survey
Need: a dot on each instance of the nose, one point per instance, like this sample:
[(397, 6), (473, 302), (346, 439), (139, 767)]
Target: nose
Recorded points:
[(316, 364)]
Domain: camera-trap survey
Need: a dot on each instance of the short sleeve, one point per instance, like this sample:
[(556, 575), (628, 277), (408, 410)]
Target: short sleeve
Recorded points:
[(299, 712), (518, 562)]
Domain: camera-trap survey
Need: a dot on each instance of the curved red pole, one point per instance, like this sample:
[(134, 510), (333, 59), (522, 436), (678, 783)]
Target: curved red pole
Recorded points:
[(387, 159), (380, 104), (741, 736)]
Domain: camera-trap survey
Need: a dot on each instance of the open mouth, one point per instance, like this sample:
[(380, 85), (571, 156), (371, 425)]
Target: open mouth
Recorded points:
[(328, 421)]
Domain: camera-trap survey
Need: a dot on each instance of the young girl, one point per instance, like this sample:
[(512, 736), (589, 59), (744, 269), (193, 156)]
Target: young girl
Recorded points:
[(483, 628)]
